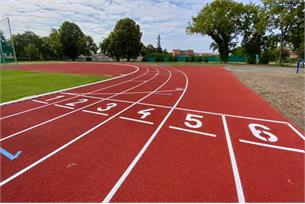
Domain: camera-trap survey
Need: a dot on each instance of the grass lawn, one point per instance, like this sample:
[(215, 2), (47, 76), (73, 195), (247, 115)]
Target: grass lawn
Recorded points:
[(17, 84)]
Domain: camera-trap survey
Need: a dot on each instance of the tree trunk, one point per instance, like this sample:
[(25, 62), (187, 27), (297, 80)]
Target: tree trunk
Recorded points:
[(282, 46)]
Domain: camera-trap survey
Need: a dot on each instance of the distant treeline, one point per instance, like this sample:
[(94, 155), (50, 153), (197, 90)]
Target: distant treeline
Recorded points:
[(236, 29)]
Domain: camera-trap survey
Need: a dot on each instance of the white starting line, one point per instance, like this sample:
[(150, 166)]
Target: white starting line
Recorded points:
[(37, 101), (93, 112), (136, 120), (193, 131), (61, 106)]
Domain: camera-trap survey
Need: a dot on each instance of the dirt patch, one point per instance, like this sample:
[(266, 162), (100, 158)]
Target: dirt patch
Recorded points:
[(281, 87)]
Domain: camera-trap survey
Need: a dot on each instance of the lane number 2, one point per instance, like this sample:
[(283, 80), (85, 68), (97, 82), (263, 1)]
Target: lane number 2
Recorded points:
[(82, 100), (264, 134), (192, 121), (108, 107), (145, 112)]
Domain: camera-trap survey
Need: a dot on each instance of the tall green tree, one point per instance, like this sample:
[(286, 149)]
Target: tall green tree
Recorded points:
[(27, 46), (222, 20), (124, 41), (159, 48), (71, 40), (90, 47), (254, 28), (287, 17)]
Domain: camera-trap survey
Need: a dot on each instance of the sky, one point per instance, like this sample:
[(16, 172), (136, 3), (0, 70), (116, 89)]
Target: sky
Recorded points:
[(97, 18)]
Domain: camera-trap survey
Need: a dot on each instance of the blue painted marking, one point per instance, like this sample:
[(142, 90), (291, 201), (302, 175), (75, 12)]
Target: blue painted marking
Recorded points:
[(9, 155)]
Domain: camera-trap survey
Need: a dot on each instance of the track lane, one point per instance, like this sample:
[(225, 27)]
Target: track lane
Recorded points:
[(98, 140)]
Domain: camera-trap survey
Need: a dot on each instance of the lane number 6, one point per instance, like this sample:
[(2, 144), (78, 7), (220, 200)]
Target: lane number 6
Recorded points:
[(262, 134)]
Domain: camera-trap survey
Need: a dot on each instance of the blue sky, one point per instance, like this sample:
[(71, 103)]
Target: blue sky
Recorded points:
[(97, 18)]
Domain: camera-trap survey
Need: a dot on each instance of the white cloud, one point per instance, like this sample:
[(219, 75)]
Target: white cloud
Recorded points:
[(97, 18)]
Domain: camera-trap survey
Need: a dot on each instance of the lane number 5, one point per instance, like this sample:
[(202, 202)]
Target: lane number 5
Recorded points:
[(192, 121), (262, 134)]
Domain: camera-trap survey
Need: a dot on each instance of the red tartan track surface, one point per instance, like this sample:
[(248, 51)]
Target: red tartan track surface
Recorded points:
[(150, 134)]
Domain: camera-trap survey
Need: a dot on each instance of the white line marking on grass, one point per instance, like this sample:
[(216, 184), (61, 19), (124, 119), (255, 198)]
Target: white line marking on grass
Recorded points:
[(76, 139), (144, 148), (61, 116), (296, 131), (192, 131), (136, 120), (238, 184), (61, 106), (28, 110), (75, 87), (37, 101), (93, 112), (272, 146)]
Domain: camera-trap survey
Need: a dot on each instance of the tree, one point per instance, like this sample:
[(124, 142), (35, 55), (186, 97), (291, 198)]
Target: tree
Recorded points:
[(90, 47), (222, 20), (124, 41), (27, 45), (285, 16), (159, 48), (145, 50), (71, 40), (253, 30), (51, 46)]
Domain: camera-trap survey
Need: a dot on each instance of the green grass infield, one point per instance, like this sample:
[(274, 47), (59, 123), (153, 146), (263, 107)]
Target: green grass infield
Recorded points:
[(17, 84)]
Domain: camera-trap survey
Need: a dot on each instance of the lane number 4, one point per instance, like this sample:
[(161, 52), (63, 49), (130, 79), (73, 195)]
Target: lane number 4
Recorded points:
[(145, 112), (264, 134), (193, 121)]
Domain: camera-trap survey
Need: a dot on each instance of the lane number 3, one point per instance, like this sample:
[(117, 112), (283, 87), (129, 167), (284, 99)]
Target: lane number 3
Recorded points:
[(108, 107), (264, 134), (192, 121)]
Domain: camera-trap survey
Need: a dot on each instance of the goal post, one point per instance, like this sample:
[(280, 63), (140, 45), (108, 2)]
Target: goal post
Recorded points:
[(7, 49)]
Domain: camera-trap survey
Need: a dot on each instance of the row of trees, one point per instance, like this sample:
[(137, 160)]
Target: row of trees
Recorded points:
[(68, 41), (227, 21)]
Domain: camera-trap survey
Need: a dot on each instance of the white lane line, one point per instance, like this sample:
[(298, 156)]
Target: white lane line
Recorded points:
[(253, 118), (128, 93), (54, 98), (76, 87), (77, 138), (37, 101), (144, 148), (61, 116), (32, 109), (136, 120), (239, 188), (273, 146), (192, 131), (296, 131), (93, 112), (61, 106)]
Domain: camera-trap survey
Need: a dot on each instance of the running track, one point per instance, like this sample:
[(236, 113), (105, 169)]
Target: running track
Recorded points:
[(151, 134)]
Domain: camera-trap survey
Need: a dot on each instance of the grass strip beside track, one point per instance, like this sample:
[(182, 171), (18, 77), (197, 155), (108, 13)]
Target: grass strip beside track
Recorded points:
[(17, 84)]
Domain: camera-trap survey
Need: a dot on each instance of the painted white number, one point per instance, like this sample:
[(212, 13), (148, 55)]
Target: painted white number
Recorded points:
[(262, 135), (145, 112), (192, 121), (82, 100), (108, 107), (57, 97)]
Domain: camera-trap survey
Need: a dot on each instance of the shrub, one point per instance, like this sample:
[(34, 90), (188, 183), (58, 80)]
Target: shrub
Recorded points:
[(205, 58), (251, 59), (264, 58)]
